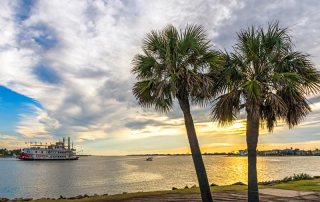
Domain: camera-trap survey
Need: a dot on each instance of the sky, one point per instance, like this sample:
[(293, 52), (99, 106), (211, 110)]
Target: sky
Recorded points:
[(65, 71)]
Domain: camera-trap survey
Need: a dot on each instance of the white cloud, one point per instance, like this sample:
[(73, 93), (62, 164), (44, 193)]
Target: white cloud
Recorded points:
[(93, 45), (37, 125), (96, 42)]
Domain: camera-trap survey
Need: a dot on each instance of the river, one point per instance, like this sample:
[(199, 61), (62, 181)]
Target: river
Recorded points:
[(100, 175)]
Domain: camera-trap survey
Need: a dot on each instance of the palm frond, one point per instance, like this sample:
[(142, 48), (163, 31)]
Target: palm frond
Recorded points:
[(297, 105), (175, 64), (271, 76), (299, 63), (272, 109), (253, 90), (151, 93), (227, 107), (144, 66)]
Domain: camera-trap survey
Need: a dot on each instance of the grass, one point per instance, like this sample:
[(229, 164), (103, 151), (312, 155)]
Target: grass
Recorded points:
[(295, 177), (194, 190), (301, 185)]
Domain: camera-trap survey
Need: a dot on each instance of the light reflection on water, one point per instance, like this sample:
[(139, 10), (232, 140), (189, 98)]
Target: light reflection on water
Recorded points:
[(90, 175)]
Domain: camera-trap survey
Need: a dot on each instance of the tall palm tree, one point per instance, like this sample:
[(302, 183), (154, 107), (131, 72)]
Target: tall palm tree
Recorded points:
[(177, 64), (267, 78)]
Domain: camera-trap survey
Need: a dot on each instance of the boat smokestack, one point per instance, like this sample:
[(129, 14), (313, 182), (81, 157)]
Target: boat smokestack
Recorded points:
[(68, 142), (64, 141)]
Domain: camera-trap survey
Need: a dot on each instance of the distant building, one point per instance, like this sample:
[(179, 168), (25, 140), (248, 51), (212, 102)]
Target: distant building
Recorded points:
[(286, 152), (316, 152), (281, 152), (273, 152), (243, 152)]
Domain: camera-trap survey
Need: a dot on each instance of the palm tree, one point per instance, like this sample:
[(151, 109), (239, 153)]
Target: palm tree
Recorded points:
[(267, 78), (177, 64)]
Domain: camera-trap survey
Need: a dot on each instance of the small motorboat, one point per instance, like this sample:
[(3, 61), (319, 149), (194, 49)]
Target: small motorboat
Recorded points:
[(149, 159)]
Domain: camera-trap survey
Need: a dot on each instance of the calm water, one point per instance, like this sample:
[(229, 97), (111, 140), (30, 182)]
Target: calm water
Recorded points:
[(112, 175)]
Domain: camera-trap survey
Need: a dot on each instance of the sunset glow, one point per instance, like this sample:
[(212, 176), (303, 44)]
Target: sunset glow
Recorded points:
[(66, 71)]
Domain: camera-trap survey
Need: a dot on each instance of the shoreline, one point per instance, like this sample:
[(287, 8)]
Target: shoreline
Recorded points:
[(221, 155), (174, 155), (312, 184)]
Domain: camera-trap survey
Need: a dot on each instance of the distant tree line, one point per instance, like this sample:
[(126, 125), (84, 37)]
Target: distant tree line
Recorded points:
[(6, 152)]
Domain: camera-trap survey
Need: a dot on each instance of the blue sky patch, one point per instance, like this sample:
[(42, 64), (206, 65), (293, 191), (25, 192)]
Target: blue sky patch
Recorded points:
[(40, 34), (12, 104), (47, 38), (47, 74), (23, 9)]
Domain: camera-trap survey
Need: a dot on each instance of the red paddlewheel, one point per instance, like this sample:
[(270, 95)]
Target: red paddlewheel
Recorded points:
[(24, 155)]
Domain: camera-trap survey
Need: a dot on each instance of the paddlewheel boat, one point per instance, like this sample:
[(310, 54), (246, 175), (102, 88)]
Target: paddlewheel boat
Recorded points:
[(57, 151)]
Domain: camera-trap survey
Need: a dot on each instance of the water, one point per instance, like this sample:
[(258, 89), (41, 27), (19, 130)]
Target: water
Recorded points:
[(100, 175)]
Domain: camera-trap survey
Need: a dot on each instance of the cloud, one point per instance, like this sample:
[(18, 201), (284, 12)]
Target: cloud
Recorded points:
[(37, 125), (87, 48), (140, 124), (74, 57), (10, 141)]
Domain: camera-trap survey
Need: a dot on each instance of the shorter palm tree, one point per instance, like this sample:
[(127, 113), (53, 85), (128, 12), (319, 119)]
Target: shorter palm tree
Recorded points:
[(177, 65), (270, 81)]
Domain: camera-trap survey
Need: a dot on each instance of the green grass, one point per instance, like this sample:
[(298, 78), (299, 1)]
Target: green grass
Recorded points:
[(141, 194), (302, 185)]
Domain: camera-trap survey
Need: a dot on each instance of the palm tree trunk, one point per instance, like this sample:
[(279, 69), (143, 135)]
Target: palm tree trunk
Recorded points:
[(195, 150), (252, 134)]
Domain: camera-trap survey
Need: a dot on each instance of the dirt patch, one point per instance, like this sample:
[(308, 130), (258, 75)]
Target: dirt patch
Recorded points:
[(284, 193)]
